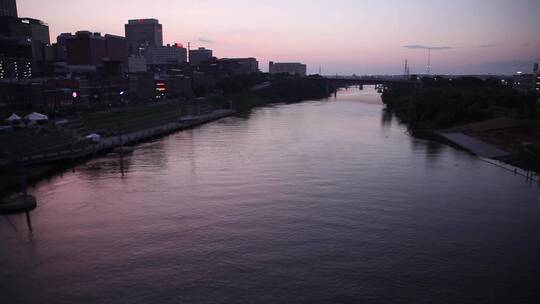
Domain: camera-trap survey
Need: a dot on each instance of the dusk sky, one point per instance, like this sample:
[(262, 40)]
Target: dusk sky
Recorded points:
[(342, 36)]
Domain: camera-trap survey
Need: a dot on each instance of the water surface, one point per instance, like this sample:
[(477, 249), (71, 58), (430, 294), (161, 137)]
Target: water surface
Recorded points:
[(317, 202)]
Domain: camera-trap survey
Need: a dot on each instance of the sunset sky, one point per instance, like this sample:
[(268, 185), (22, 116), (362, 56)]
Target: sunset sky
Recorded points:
[(341, 36)]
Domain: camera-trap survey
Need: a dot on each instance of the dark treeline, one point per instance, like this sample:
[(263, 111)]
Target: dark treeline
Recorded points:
[(247, 91), (435, 103)]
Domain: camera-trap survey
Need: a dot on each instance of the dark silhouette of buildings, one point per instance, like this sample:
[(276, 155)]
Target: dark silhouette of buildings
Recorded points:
[(87, 48), (24, 42), (15, 59), (162, 55), (292, 68), (8, 8), (60, 47), (219, 68), (25, 30), (117, 48), (143, 33), (100, 68), (196, 57), (245, 65)]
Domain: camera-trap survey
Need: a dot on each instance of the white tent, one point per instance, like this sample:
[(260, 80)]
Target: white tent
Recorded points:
[(14, 118), (36, 117), (94, 137)]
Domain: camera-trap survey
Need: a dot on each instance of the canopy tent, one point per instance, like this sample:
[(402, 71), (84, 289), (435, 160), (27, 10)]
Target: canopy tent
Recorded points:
[(14, 118), (94, 137), (36, 117)]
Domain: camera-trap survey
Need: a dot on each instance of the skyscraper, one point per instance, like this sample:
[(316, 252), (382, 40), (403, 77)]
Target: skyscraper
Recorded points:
[(143, 33), (8, 8)]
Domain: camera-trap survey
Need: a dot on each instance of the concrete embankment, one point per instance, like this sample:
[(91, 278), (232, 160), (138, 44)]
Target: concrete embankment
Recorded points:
[(109, 143), (474, 145), (42, 165)]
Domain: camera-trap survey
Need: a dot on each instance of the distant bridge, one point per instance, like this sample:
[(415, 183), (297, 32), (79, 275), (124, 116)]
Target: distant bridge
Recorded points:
[(365, 80)]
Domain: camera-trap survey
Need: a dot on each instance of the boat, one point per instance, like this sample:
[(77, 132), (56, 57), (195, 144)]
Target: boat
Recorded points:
[(18, 204)]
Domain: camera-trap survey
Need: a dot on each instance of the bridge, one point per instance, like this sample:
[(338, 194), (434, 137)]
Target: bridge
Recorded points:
[(341, 81)]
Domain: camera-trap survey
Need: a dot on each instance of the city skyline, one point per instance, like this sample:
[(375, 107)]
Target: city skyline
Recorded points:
[(342, 37)]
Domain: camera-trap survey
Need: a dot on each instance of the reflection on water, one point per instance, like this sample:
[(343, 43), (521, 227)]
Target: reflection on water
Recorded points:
[(317, 202)]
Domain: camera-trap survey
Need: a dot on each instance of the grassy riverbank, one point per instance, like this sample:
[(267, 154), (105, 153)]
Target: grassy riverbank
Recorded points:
[(483, 109), (437, 103)]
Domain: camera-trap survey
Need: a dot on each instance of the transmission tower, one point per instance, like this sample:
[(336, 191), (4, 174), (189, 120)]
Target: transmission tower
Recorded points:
[(407, 69)]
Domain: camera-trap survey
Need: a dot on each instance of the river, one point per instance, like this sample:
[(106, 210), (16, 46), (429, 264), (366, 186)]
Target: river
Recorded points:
[(325, 201)]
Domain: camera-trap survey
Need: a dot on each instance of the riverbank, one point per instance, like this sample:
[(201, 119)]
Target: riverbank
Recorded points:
[(134, 124), (245, 92), (485, 118), (39, 166)]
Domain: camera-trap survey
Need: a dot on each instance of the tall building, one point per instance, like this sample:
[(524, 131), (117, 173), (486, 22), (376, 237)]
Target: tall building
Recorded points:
[(86, 48), (196, 57), (8, 8), (143, 33), (27, 30), (117, 48), (292, 68), (15, 59), (60, 47), (162, 55), (24, 43)]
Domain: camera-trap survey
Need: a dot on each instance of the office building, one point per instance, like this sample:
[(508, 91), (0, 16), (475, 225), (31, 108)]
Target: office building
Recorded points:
[(196, 57), (23, 43), (219, 68), (117, 48), (136, 64), (143, 33), (15, 59), (291, 68), (27, 30), (86, 48), (8, 8), (60, 47), (163, 55), (245, 65)]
